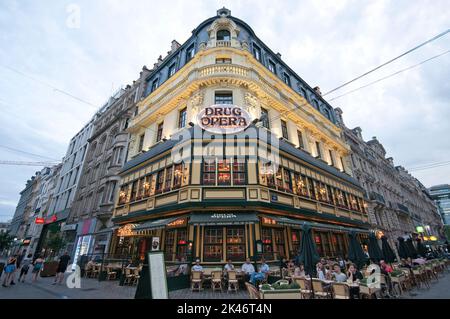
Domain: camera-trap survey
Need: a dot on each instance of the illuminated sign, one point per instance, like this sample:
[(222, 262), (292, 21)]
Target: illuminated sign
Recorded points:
[(223, 119), (223, 216), (268, 221), (177, 223), (39, 221), (126, 231), (420, 229), (433, 238), (26, 242)]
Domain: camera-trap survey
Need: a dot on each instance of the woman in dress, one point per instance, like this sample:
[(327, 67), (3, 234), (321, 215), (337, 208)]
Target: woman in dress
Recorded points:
[(11, 266), (37, 267)]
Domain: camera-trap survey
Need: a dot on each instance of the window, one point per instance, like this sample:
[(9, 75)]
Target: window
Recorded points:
[(168, 178), (267, 174), (112, 191), (141, 142), (169, 243), (286, 79), (342, 163), (136, 111), (286, 180), (279, 242), (319, 154), (327, 113), (147, 185), (181, 243), (235, 243), (284, 129), (223, 35), (159, 181), (295, 236), (172, 70), (125, 123), (257, 52), (223, 98), (266, 237), (279, 177), (223, 61), (300, 140), (177, 175), (312, 188), (300, 185), (238, 172), (315, 103), (209, 172), (224, 172), (190, 52), (303, 93), (213, 244), (159, 132), (265, 118), (272, 67), (182, 118), (330, 152), (134, 189), (155, 84)]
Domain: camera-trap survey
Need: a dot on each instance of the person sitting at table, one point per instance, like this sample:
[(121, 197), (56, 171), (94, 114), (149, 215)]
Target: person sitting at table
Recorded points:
[(248, 269), (283, 266), (341, 263), (299, 271), (197, 266), (261, 274), (338, 275), (182, 268), (321, 273), (291, 265), (385, 267), (353, 273), (228, 266)]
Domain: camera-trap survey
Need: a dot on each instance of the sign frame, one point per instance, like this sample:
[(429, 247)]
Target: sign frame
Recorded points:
[(158, 281), (231, 122)]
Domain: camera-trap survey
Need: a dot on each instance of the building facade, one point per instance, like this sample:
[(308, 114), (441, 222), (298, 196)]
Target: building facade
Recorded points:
[(4, 227), (397, 202), (441, 195), (94, 200), (231, 153)]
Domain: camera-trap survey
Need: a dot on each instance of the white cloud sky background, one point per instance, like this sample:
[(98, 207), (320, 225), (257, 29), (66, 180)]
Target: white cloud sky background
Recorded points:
[(325, 42)]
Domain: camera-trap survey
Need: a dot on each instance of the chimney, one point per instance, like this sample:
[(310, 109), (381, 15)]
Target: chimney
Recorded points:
[(279, 55), (174, 46), (338, 112), (317, 90)]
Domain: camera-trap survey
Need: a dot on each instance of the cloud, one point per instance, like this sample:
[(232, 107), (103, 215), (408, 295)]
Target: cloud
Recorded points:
[(326, 42)]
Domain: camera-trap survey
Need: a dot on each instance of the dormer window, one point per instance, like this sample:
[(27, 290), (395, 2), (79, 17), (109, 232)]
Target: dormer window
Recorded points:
[(286, 79), (257, 52), (223, 35)]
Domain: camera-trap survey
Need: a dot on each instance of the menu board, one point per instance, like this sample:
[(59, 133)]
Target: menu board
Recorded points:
[(157, 271)]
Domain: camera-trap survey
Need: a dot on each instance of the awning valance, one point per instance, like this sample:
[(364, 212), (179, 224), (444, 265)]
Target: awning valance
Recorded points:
[(281, 220), (154, 224), (215, 218)]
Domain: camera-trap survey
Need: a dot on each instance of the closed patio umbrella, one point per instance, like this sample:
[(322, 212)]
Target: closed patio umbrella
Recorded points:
[(402, 249), (355, 251), (421, 249), (375, 252), (412, 252), (308, 255), (388, 253)]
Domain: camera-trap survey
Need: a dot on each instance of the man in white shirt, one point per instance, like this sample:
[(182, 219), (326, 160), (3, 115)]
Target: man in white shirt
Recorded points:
[(339, 276), (197, 266), (247, 267), (182, 268), (229, 266)]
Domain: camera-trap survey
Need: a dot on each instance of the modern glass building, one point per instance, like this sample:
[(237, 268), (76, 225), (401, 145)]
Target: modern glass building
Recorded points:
[(231, 153), (441, 195)]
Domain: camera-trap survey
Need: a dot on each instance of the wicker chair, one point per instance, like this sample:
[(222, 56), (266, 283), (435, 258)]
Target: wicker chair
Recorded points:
[(320, 291), (368, 292), (129, 277), (216, 280), (305, 286), (136, 276), (233, 284), (420, 277), (252, 291), (340, 290), (196, 280)]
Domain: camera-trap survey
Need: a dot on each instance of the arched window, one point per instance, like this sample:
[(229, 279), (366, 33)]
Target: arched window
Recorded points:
[(223, 35)]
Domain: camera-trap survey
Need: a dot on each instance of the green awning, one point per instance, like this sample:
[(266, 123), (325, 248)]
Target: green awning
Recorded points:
[(154, 224), (280, 220), (214, 218)]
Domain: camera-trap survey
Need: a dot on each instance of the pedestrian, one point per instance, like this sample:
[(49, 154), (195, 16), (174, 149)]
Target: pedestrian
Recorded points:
[(62, 266), (18, 264), (26, 262), (37, 267), (11, 266)]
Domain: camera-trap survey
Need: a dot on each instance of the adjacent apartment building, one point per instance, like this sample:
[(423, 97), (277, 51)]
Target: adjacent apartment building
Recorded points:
[(441, 195)]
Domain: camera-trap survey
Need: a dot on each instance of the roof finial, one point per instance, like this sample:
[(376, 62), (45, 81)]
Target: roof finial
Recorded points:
[(224, 12)]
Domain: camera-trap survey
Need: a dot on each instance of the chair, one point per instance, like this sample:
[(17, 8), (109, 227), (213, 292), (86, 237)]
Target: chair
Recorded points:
[(420, 277), (196, 281), (368, 292), (430, 272), (340, 290), (129, 277), (136, 276), (216, 280), (319, 290), (252, 291), (88, 270), (95, 271), (305, 287), (233, 284), (110, 273)]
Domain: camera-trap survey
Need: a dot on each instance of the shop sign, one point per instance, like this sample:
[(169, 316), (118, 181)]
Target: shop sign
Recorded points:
[(177, 223), (420, 229), (433, 238), (268, 221), (126, 231), (26, 242), (223, 216), (51, 219), (69, 227), (223, 119), (39, 221)]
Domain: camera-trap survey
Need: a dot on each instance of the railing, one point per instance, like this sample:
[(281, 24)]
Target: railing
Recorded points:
[(403, 208), (223, 69), (222, 43)]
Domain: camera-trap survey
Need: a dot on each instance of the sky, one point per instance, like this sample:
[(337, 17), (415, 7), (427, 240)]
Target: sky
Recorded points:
[(90, 49)]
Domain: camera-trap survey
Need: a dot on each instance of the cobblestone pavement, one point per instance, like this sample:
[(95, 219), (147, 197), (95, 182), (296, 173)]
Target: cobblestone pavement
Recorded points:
[(438, 290)]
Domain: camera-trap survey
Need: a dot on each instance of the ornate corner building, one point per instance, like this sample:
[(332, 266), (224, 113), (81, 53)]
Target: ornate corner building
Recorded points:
[(191, 191)]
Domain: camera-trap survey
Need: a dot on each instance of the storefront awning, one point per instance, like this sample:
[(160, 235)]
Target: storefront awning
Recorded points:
[(280, 220), (154, 224), (214, 218)]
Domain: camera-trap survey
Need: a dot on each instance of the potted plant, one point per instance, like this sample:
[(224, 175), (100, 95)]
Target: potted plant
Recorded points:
[(281, 289)]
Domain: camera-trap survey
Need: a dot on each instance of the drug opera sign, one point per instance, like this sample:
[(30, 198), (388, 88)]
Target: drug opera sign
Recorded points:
[(223, 119)]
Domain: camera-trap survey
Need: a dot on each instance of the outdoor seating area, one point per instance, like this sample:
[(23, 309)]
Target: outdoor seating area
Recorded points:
[(217, 280), (113, 271)]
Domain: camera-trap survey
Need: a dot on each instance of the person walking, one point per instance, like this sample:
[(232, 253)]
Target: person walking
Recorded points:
[(11, 266), (26, 262), (37, 267), (18, 264), (62, 266)]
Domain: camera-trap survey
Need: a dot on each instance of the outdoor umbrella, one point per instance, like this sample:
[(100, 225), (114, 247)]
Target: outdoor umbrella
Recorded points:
[(421, 249), (412, 252), (388, 253), (402, 249), (375, 252), (308, 254), (355, 251)]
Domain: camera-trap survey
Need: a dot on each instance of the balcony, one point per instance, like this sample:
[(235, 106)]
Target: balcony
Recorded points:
[(403, 208), (377, 197), (226, 69), (222, 43)]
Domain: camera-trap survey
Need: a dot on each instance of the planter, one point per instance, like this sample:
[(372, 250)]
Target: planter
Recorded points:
[(49, 269), (281, 294)]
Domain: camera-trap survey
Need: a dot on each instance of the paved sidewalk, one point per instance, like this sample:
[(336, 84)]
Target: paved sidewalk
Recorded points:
[(438, 290)]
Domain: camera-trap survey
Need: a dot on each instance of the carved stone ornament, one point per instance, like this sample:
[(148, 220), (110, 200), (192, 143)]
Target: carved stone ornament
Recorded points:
[(251, 102)]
